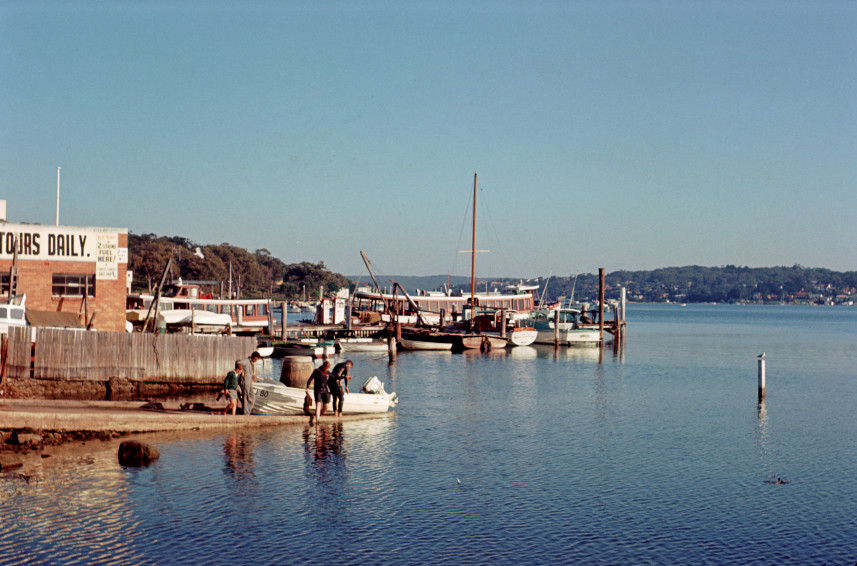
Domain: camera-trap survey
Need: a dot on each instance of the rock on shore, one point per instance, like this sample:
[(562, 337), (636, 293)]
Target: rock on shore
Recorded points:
[(134, 453)]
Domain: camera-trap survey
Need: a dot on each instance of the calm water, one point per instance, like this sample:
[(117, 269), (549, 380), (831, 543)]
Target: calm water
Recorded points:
[(656, 455)]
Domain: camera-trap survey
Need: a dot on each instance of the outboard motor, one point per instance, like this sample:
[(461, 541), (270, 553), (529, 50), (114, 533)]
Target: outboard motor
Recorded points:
[(373, 385)]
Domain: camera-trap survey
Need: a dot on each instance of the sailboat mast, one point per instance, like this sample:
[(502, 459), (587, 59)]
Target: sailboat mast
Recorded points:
[(473, 250)]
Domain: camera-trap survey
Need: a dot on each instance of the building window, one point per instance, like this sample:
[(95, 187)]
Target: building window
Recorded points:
[(73, 285), (4, 284)]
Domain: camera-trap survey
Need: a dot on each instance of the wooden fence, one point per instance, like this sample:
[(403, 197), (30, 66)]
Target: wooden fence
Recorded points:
[(98, 356)]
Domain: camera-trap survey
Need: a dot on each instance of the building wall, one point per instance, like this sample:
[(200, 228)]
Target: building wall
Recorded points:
[(41, 260)]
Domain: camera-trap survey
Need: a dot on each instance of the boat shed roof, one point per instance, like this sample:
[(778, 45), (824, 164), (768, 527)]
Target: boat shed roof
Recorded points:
[(53, 319)]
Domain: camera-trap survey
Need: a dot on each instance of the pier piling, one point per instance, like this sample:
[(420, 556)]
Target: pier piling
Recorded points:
[(762, 377)]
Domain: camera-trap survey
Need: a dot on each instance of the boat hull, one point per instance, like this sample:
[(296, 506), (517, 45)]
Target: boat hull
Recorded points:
[(569, 337), (522, 336), (361, 345), (303, 349), (275, 398), (409, 344)]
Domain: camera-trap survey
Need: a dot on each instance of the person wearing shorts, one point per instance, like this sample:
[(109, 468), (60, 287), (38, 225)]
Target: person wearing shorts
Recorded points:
[(318, 378), (230, 388)]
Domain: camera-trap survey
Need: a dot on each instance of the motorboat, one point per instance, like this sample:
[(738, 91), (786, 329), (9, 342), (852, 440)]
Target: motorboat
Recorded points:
[(561, 326), (275, 398)]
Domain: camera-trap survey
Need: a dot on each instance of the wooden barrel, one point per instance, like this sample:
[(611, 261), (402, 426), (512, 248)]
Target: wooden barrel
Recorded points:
[(296, 370)]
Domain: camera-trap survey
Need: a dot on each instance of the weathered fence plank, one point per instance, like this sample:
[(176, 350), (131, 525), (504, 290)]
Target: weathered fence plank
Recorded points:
[(99, 356)]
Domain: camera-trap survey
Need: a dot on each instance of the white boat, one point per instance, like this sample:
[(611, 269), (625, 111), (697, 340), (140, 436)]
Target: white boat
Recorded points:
[(522, 335), (361, 345), (245, 315), (408, 344), (569, 331), (199, 318), (275, 398), (13, 313)]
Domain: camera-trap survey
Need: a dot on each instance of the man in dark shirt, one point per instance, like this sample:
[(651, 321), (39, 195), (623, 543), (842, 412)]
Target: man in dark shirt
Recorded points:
[(341, 372)]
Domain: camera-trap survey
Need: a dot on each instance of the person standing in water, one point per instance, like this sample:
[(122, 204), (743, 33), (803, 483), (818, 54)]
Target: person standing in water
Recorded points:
[(340, 373), (318, 378)]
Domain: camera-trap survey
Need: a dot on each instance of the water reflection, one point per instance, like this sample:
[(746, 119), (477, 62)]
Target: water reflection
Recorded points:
[(324, 453), (763, 440), (238, 465)]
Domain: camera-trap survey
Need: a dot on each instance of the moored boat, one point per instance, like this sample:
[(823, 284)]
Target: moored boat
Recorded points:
[(13, 313), (561, 326), (361, 345), (307, 347), (411, 344), (248, 316)]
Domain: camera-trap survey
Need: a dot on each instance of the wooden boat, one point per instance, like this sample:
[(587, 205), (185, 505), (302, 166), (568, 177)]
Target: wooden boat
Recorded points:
[(265, 351), (432, 339), (275, 398), (361, 345), (304, 348), (490, 322), (409, 344), (522, 335)]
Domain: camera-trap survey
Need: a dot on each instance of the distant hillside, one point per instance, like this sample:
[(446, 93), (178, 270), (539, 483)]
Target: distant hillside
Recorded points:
[(690, 284)]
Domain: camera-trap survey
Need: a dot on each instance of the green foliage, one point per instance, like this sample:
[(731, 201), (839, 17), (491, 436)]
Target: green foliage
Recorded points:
[(257, 274)]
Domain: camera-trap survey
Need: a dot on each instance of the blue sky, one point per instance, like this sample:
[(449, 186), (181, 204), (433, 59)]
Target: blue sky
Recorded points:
[(624, 135)]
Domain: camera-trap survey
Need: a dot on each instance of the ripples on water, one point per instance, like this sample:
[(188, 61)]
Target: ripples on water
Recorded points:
[(659, 454)]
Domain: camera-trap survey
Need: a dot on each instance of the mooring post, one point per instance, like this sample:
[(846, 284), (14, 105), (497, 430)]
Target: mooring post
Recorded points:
[(556, 328), (285, 308), (391, 347), (762, 377), (392, 341), (502, 323), (601, 304)]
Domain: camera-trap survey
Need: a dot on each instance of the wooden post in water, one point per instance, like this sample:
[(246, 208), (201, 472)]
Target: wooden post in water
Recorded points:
[(762, 377), (502, 323), (601, 303), (391, 345), (556, 328), (285, 307)]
